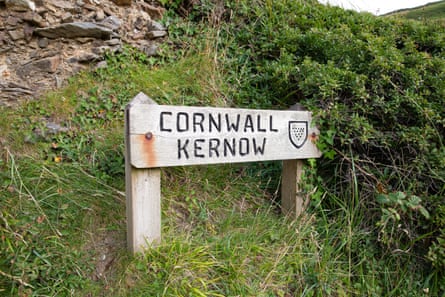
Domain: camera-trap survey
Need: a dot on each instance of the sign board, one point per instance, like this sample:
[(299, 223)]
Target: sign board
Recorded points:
[(162, 136)]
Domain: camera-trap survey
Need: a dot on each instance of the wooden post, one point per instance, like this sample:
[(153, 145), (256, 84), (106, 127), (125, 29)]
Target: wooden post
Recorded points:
[(143, 194), (292, 202)]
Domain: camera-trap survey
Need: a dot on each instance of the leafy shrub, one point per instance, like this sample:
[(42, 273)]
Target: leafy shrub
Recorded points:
[(376, 88)]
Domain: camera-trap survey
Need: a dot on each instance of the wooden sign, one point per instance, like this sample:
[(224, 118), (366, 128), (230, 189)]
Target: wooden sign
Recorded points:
[(160, 136)]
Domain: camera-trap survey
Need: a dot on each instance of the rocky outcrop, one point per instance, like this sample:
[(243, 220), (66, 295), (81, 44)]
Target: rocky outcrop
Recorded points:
[(43, 42), (74, 30), (20, 5)]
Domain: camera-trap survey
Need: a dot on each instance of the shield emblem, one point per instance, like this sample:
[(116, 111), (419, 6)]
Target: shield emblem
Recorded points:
[(298, 133)]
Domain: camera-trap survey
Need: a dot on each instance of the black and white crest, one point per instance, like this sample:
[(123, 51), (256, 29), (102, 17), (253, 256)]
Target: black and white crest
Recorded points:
[(298, 133)]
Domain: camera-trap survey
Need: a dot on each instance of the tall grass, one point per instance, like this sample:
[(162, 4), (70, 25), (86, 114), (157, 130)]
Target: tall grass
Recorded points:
[(428, 12), (62, 216)]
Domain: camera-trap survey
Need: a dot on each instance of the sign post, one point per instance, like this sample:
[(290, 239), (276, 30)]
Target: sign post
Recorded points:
[(143, 192), (162, 136)]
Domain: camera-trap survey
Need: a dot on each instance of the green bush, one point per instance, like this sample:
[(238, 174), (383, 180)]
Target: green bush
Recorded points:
[(376, 87)]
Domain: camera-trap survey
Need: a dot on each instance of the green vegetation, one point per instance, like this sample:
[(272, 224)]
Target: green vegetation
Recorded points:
[(375, 225), (428, 12)]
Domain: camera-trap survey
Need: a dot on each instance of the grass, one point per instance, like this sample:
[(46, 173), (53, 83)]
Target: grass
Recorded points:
[(62, 215), (64, 230), (63, 224), (430, 11), (220, 239), (45, 212)]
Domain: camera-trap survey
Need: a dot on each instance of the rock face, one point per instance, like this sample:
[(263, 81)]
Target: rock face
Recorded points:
[(20, 5), (74, 30), (43, 42)]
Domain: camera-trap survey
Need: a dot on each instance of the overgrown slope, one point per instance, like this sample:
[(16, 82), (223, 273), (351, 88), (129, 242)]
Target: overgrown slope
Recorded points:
[(375, 226), (377, 86), (428, 12)]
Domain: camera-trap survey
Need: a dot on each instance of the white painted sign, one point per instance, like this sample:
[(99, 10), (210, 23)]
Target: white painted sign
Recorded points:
[(163, 136)]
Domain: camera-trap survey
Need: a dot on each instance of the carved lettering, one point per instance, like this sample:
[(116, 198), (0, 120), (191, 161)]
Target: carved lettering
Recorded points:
[(217, 148)]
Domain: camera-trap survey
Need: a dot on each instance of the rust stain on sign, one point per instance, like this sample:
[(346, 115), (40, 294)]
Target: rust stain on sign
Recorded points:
[(313, 137), (147, 142)]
